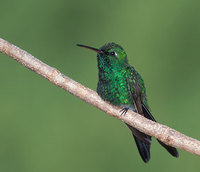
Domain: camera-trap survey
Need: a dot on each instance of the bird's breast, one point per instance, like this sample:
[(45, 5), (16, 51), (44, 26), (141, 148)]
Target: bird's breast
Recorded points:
[(113, 87)]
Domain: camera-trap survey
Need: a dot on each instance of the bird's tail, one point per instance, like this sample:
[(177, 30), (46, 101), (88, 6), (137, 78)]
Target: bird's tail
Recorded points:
[(143, 148), (170, 149), (143, 141)]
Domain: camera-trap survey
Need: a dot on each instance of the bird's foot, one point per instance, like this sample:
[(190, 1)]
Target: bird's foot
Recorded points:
[(123, 111)]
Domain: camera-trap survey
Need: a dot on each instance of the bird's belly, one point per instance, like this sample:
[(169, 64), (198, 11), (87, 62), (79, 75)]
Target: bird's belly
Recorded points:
[(115, 93)]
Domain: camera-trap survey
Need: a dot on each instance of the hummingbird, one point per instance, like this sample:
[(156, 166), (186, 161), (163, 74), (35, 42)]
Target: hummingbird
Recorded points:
[(121, 85)]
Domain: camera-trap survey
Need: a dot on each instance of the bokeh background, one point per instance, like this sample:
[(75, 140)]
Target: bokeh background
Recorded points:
[(45, 129)]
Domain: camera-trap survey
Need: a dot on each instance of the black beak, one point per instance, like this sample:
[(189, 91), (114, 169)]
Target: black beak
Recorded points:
[(91, 48)]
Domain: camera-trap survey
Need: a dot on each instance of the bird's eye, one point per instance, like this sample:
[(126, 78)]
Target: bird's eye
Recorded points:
[(113, 53)]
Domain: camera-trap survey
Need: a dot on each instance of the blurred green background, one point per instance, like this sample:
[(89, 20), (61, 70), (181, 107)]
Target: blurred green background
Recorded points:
[(45, 129)]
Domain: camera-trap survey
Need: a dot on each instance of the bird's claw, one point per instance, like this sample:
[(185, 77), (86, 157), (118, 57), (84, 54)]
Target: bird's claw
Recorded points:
[(123, 111)]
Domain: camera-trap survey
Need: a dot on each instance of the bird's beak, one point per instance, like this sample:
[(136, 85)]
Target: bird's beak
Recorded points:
[(91, 48)]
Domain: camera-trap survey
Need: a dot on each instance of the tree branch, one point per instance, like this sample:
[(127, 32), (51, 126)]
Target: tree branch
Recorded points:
[(163, 133)]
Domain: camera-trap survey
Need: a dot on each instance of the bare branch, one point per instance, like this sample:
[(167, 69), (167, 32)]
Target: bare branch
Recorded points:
[(163, 133)]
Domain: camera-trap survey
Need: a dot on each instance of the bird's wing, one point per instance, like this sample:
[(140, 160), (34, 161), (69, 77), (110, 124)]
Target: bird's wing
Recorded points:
[(141, 102), (134, 90), (142, 140)]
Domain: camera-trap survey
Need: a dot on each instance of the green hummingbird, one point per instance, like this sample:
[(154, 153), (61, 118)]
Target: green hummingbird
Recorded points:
[(121, 85)]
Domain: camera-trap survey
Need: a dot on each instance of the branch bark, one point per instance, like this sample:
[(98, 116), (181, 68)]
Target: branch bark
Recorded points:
[(165, 134)]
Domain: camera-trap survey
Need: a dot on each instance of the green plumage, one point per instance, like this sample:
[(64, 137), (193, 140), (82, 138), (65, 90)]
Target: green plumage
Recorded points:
[(116, 82), (121, 85)]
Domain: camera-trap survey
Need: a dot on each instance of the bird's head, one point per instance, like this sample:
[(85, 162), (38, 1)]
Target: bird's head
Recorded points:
[(110, 51)]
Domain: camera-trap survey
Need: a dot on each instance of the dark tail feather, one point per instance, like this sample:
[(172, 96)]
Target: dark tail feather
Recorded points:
[(170, 149), (143, 143), (143, 148), (143, 137)]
